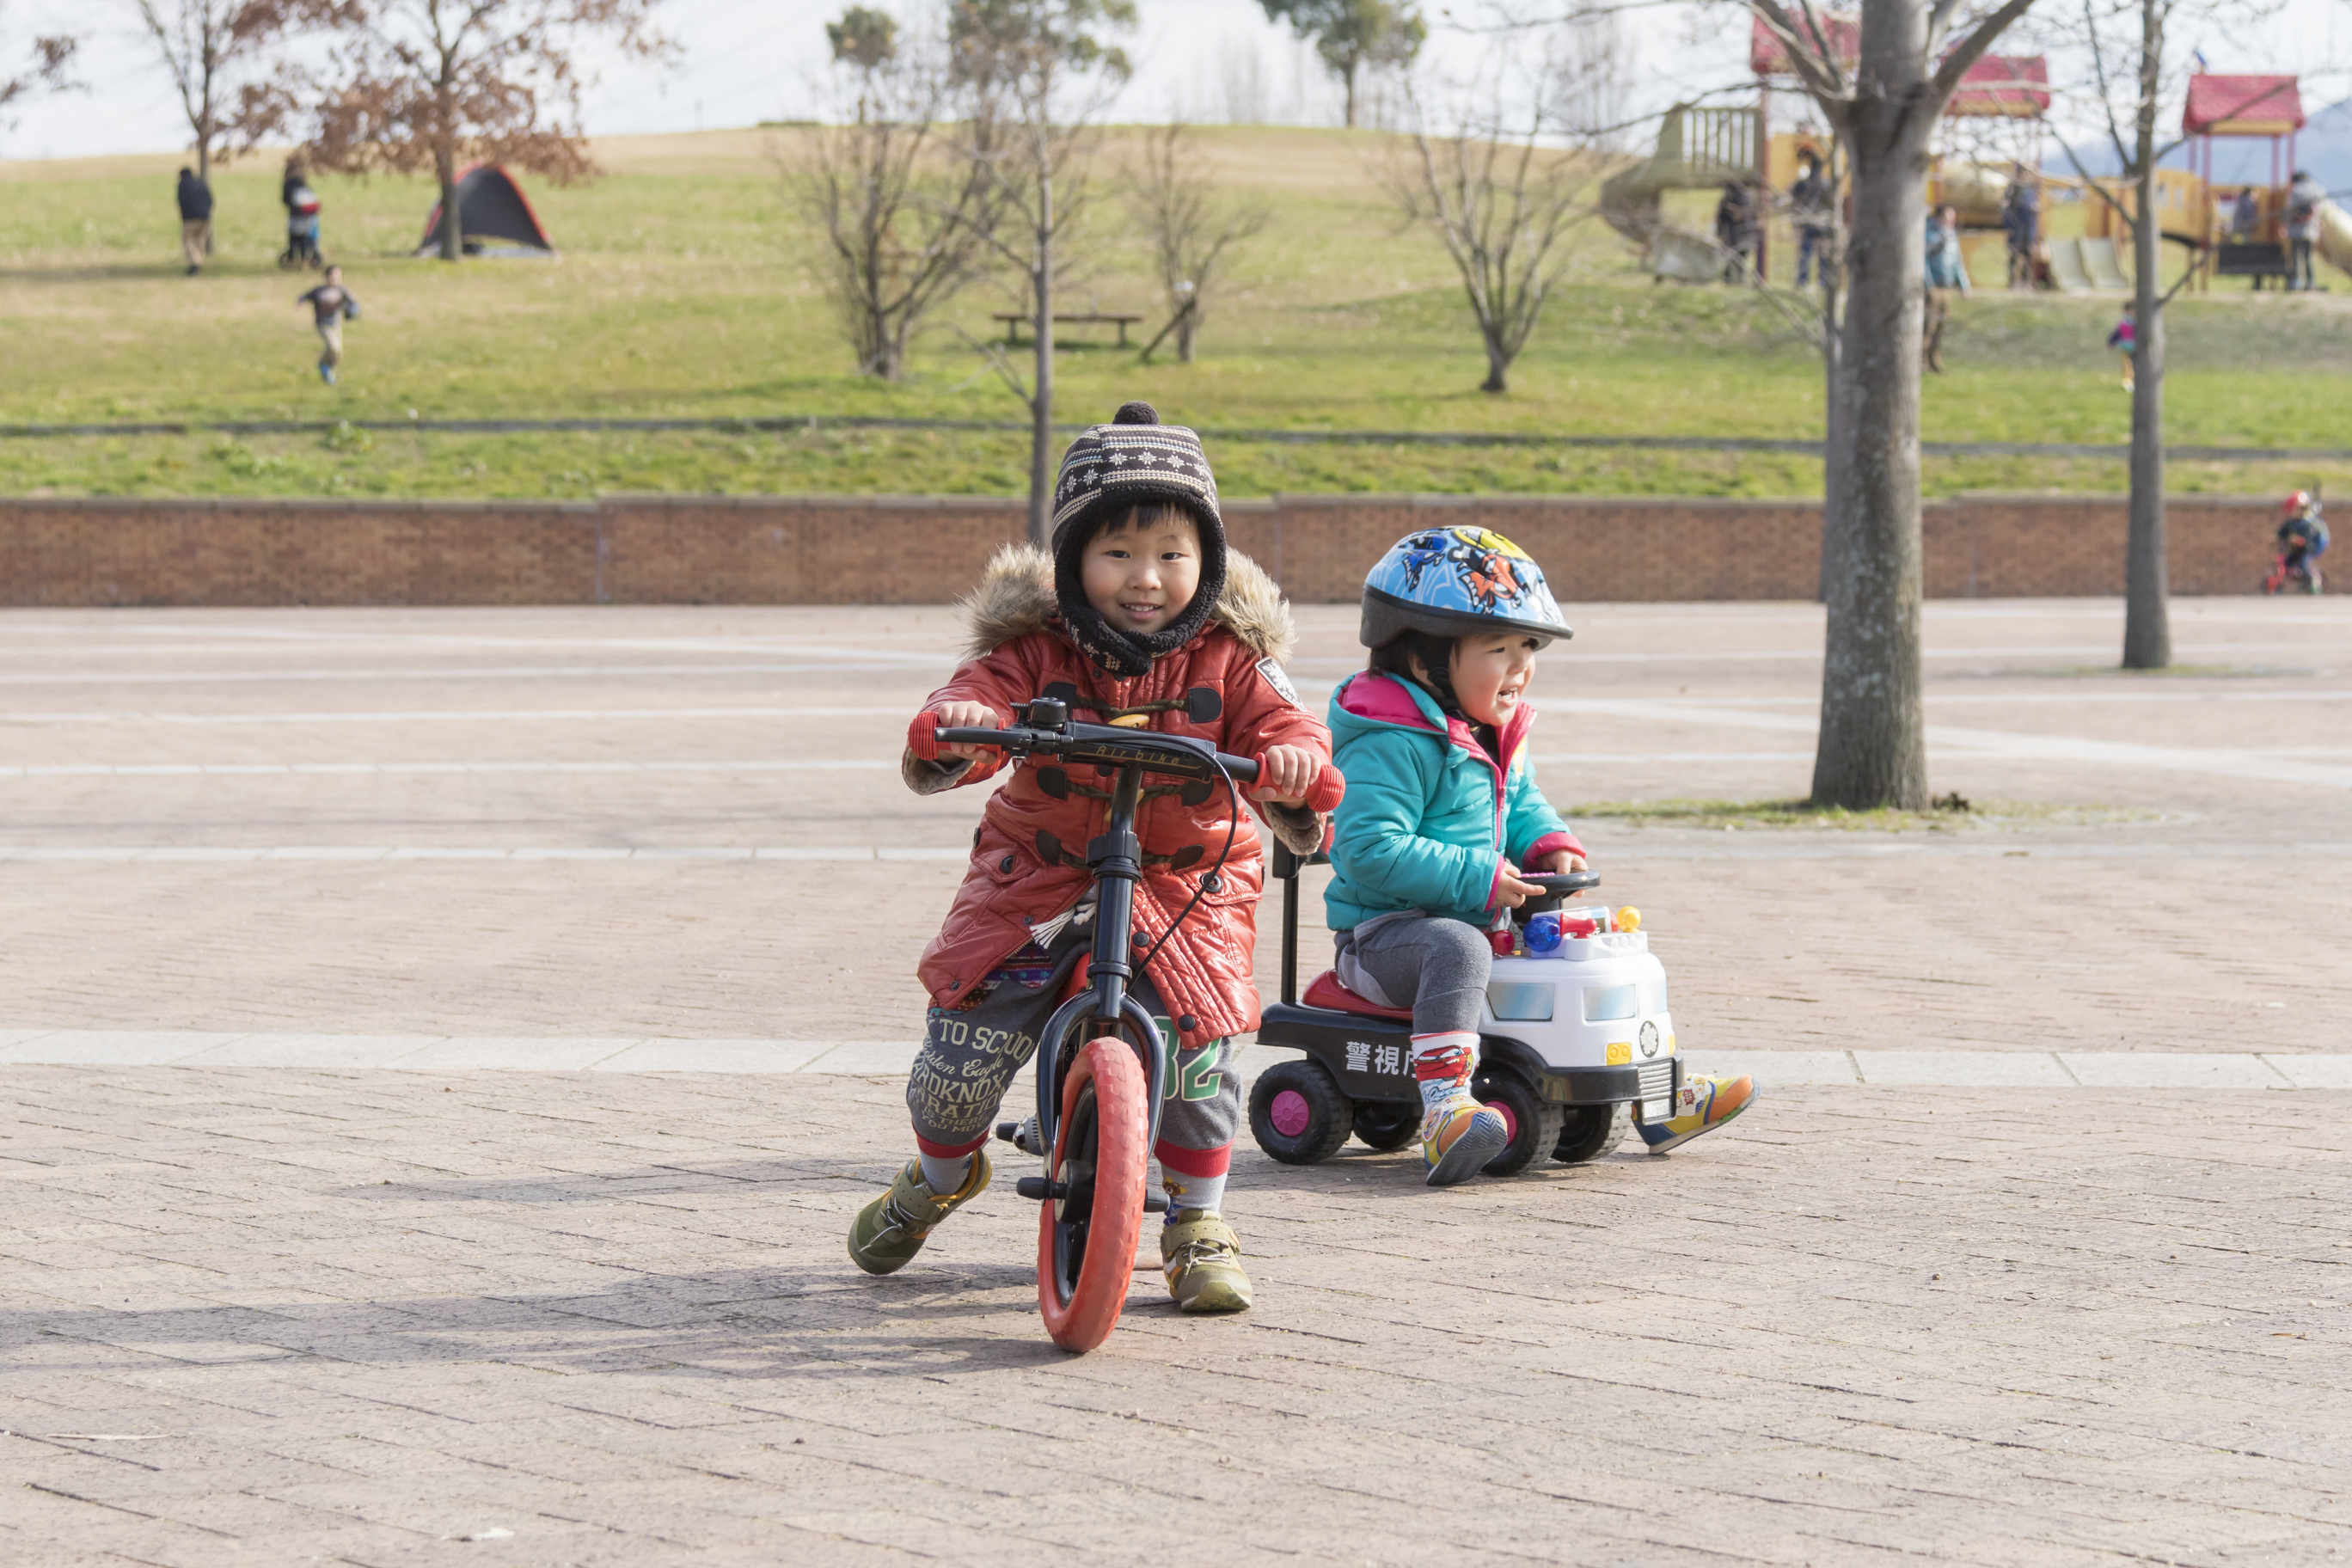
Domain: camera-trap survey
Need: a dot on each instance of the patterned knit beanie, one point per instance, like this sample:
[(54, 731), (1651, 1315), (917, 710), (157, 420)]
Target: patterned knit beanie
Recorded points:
[(1133, 461)]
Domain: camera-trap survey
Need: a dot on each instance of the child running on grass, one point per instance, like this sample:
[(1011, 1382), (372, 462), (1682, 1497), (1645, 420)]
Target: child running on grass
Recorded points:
[(1443, 813), (2125, 340), (330, 305), (1138, 603)]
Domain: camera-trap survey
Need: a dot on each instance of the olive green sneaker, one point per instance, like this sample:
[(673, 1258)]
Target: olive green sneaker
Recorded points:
[(893, 1227), (1202, 1259)]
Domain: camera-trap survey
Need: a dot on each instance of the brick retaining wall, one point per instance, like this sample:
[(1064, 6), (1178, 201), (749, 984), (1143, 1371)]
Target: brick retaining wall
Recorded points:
[(887, 549)]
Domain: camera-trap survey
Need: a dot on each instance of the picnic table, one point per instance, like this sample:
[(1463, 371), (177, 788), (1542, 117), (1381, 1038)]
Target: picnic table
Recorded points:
[(1016, 319)]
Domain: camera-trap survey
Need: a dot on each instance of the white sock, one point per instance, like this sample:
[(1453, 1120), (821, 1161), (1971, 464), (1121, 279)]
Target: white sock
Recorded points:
[(1191, 1193), (1443, 1063), (945, 1174)]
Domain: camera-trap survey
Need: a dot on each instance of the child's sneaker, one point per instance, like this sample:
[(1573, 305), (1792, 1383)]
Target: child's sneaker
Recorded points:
[(326, 373), (1460, 1141), (893, 1227), (1701, 1105), (1202, 1258)]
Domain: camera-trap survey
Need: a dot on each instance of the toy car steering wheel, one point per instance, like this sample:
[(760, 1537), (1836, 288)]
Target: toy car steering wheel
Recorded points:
[(1556, 886)]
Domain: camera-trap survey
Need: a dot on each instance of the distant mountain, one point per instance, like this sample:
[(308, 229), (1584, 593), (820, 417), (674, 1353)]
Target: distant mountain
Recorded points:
[(2324, 146)]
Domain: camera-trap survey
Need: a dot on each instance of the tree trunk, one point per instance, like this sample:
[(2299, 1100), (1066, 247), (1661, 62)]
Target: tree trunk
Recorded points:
[(1041, 403), (1872, 750), (2147, 634), (1835, 447), (1348, 77), (1498, 369), (453, 245)]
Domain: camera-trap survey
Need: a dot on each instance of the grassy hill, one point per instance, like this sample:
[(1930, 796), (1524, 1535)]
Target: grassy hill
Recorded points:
[(690, 287)]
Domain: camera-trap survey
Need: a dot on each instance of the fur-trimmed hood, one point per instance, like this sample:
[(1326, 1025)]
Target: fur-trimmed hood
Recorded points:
[(1015, 597)]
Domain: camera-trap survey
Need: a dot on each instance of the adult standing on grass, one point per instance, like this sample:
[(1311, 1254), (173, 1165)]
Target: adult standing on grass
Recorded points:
[(330, 305), (2021, 219), (2303, 199), (195, 220), (1809, 200), (1947, 270)]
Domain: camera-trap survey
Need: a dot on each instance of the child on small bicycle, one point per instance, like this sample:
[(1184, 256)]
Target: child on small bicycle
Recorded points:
[(1443, 814), (1139, 605)]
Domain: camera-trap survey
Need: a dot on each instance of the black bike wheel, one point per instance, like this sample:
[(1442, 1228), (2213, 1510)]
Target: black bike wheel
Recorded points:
[(1590, 1132), (1535, 1122), (1298, 1113), (1386, 1125)]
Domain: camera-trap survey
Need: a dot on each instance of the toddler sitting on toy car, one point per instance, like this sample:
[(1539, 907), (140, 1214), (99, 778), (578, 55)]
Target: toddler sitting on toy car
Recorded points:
[(1140, 617), (1442, 812)]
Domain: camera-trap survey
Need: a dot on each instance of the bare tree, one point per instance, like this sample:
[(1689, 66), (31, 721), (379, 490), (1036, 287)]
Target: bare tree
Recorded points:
[(2123, 41), (1486, 173), (1174, 203), (45, 72), (212, 50), (1884, 103), (1355, 35), (904, 217), (1035, 73), (413, 85)]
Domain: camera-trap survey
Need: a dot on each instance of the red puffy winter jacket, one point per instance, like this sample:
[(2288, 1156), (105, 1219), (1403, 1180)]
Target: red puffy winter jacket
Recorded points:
[(1018, 649)]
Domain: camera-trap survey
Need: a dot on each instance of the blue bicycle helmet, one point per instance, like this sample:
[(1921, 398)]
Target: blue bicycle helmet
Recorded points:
[(1457, 582)]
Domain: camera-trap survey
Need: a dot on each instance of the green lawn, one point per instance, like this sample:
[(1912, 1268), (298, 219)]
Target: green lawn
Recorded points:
[(690, 287)]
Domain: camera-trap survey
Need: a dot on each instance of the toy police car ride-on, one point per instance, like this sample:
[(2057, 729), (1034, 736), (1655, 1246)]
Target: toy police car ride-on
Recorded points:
[(1573, 1034)]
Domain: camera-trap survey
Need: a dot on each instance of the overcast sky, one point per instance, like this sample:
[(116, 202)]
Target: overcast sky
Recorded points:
[(741, 61)]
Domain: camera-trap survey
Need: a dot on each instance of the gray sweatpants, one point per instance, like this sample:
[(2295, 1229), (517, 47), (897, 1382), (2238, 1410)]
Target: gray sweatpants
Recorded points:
[(1437, 967), (972, 1051)]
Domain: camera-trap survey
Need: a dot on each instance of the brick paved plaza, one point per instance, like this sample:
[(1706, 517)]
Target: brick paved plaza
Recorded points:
[(537, 982)]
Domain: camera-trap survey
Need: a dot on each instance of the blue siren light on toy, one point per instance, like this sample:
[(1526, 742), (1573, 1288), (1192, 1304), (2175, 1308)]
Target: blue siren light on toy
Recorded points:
[(1457, 581)]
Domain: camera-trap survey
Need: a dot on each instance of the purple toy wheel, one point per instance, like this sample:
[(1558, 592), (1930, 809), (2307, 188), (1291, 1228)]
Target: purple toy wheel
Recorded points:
[(1289, 1113)]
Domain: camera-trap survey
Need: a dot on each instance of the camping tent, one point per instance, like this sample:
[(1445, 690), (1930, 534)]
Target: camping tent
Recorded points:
[(493, 215)]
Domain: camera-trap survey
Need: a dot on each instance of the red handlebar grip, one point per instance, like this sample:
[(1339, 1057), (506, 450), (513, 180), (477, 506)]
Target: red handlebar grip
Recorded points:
[(1324, 792), (1330, 786), (923, 736)]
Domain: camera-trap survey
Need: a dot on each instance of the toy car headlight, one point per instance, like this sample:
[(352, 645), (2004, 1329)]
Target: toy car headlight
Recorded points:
[(1605, 1002)]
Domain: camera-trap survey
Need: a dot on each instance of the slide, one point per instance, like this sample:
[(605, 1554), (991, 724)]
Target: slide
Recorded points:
[(2334, 244)]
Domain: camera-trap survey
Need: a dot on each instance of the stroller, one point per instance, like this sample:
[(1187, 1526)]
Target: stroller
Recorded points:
[(301, 252)]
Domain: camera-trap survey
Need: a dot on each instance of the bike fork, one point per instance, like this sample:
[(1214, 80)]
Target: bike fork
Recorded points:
[(1105, 1008)]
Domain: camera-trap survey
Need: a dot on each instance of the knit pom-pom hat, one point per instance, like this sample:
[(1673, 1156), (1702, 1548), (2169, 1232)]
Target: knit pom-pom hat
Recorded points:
[(1133, 461)]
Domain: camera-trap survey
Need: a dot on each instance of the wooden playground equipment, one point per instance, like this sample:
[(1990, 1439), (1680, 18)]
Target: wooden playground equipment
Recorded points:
[(2083, 242)]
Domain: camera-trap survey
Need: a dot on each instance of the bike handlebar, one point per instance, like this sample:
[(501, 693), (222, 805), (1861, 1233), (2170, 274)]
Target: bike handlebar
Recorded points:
[(1178, 756)]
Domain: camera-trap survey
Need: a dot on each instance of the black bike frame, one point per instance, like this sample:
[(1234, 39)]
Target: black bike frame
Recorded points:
[(1104, 1007)]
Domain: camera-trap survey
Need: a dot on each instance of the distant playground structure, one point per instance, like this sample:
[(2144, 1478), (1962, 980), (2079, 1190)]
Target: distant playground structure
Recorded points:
[(2081, 243)]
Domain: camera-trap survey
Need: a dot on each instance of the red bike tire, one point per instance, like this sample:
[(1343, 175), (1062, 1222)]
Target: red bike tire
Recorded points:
[(1122, 1121)]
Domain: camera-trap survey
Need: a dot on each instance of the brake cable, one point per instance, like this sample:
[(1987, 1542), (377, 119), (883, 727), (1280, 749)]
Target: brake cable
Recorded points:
[(1233, 826)]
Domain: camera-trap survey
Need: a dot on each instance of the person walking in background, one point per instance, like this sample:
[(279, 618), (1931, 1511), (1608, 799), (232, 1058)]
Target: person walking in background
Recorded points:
[(330, 305), (1948, 271), (301, 203), (2021, 219), (195, 220), (1736, 231), (1809, 201), (2303, 199), (2125, 340)]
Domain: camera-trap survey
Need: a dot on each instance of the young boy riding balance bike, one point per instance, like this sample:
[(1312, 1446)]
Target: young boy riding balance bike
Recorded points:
[(1139, 619)]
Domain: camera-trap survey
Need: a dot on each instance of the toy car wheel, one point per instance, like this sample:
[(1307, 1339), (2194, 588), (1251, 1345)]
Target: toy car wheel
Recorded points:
[(1386, 1125), (1590, 1132), (1534, 1122), (1299, 1114)]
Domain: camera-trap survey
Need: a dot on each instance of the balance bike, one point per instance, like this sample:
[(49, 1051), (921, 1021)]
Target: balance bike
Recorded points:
[(1574, 1041), (1102, 1065)]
